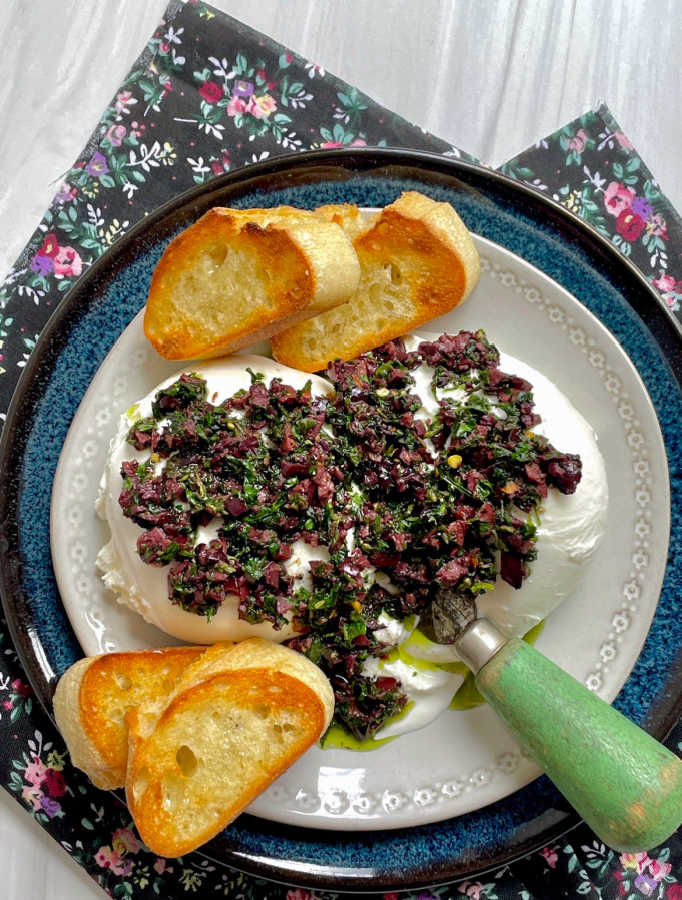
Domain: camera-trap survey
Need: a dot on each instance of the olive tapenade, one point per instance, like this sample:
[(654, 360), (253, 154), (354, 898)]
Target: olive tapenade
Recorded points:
[(397, 500)]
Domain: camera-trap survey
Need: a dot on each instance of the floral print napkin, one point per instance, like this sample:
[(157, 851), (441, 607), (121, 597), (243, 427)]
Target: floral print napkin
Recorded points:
[(208, 95), (591, 168)]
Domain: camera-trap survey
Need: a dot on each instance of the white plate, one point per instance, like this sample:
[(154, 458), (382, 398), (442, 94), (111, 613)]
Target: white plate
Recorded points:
[(464, 760)]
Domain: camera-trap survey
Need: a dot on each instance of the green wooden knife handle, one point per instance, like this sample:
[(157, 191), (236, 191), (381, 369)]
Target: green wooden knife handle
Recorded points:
[(625, 785)]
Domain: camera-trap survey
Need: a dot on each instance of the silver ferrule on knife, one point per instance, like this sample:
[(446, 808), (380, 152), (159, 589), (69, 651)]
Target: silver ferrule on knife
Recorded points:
[(478, 643)]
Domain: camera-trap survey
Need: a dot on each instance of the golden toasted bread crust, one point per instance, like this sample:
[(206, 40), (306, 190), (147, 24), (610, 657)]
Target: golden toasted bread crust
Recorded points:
[(117, 682), (177, 807), (94, 695), (235, 276), (418, 261), (175, 334)]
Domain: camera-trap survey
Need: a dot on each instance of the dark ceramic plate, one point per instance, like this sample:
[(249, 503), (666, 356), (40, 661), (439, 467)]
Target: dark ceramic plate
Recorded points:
[(91, 317)]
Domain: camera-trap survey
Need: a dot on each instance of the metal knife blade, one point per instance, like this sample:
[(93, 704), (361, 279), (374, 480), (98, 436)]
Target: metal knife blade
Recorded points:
[(452, 618), (447, 616)]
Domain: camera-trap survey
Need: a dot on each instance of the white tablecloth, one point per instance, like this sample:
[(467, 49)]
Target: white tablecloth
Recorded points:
[(490, 76)]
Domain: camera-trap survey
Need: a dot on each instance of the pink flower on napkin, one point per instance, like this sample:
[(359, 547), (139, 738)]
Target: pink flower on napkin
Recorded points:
[(623, 140), (67, 262), (32, 795), (550, 855), (671, 291), (115, 135), (658, 870), (124, 100), (578, 141), (236, 106), (358, 142), (35, 771), (617, 197), (161, 866), (106, 858), (136, 129), (665, 283), (124, 841)]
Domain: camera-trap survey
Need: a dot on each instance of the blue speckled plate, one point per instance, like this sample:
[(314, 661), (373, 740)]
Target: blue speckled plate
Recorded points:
[(89, 320)]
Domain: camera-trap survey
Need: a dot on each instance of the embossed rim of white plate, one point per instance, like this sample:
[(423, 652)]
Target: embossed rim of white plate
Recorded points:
[(345, 790)]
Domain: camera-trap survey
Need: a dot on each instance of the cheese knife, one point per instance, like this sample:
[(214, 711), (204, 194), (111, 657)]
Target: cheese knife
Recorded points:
[(621, 781)]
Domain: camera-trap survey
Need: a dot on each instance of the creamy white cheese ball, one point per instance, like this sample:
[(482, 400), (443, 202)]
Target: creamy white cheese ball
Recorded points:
[(144, 588), (571, 525)]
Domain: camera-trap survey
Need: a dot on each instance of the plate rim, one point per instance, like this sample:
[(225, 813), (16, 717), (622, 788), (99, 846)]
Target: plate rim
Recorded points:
[(666, 332)]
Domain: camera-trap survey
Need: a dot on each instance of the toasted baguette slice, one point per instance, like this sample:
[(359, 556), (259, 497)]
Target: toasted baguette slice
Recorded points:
[(93, 696), (236, 276), (234, 723), (352, 219), (418, 261)]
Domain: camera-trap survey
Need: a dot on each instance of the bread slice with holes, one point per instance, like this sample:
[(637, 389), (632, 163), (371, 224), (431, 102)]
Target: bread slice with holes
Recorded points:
[(94, 695), (236, 276), (417, 260), (236, 720)]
